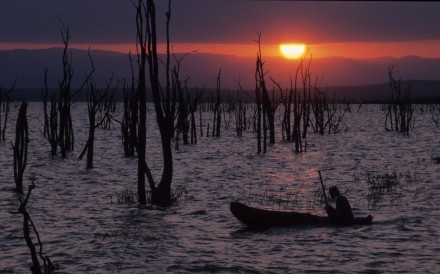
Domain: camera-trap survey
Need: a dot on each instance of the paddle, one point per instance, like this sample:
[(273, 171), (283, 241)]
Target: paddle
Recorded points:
[(323, 187)]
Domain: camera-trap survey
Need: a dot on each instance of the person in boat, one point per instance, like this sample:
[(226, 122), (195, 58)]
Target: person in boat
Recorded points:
[(342, 214)]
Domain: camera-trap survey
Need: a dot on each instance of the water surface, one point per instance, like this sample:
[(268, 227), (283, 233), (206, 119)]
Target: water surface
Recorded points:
[(84, 229)]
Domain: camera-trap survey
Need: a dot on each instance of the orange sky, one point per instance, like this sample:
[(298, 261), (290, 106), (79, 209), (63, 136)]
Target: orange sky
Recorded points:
[(426, 48), (348, 29)]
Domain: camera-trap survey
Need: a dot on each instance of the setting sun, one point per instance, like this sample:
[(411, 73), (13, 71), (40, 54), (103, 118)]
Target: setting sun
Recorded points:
[(292, 51)]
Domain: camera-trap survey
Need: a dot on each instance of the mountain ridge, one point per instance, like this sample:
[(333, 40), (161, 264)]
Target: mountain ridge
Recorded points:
[(339, 74)]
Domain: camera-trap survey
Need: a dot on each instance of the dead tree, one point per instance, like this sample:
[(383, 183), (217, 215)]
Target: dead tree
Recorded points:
[(240, 114), (182, 126), (286, 101), (434, 109), (297, 107), (95, 100), (20, 147), (5, 99), (328, 114), (301, 106), (143, 37), (258, 109), (335, 116), (164, 102), (65, 130), (28, 227), (262, 96), (193, 105), (107, 109), (201, 119), (129, 120), (217, 111), (186, 121), (228, 107), (27, 224), (50, 131), (319, 108), (65, 97), (291, 130), (399, 110), (20, 160), (130, 115), (58, 126), (306, 104)]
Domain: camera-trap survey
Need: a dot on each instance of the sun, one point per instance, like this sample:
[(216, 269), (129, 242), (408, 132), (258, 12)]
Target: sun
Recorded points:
[(292, 51)]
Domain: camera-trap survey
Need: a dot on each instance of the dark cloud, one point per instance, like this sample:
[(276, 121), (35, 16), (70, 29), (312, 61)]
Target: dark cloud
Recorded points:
[(223, 20), (89, 21)]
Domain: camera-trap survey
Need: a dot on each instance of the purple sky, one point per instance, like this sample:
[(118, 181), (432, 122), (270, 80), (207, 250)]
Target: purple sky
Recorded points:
[(223, 21), (349, 29)]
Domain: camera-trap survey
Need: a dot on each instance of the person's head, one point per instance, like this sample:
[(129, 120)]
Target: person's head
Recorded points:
[(334, 192)]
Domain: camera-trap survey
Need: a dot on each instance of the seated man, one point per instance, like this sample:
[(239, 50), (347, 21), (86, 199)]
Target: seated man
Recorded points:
[(342, 215)]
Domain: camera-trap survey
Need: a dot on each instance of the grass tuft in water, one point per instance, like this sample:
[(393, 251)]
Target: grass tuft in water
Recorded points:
[(385, 189), (180, 192), (129, 196), (285, 199), (126, 196)]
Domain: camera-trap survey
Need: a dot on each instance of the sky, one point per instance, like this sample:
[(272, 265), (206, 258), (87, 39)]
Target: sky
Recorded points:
[(352, 30), (359, 29)]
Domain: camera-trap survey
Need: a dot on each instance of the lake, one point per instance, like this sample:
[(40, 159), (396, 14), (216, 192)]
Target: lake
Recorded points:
[(84, 229)]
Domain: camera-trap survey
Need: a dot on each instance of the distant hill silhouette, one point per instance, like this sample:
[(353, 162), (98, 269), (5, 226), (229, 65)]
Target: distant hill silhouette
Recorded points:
[(356, 79), (27, 67), (422, 90)]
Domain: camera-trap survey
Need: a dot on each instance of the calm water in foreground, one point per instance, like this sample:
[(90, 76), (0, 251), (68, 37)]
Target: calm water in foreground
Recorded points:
[(85, 230)]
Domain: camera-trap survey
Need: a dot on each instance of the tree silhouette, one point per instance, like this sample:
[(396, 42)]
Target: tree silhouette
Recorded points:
[(58, 127), (95, 101), (265, 107), (164, 101), (5, 99), (217, 111), (399, 110), (20, 147)]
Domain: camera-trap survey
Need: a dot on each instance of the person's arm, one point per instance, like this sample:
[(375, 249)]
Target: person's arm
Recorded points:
[(331, 211)]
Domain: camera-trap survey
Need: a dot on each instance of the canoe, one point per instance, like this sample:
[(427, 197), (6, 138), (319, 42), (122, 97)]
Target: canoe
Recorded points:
[(263, 218)]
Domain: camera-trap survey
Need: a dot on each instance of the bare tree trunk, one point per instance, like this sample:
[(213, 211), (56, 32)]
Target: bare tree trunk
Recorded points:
[(164, 104), (217, 112), (141, 98), (66, 138), (267, 106), (194, 104), (29, 225), (200, 122), (94, 102), (400, 109), (128, 124), (4, 108), (307, 96), (258, 109), (64, 103), (20, 147)]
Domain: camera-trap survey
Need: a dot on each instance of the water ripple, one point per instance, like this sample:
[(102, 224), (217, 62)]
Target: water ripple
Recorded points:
[(84, 230)]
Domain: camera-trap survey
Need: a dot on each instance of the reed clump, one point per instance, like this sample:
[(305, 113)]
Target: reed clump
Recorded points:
[(129, 196), (285, 199), (179, 193), (126, 196), (385, 189), (385, 182)]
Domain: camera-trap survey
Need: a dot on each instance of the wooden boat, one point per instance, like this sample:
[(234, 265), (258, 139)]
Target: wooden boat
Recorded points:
[(263, 218)]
